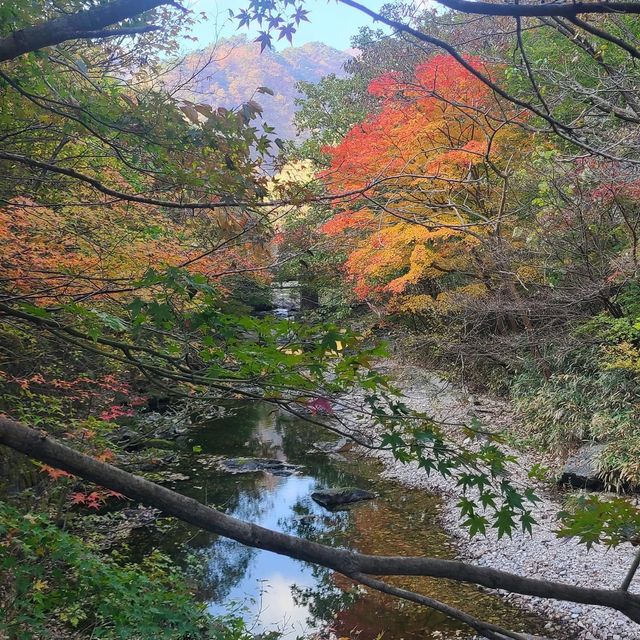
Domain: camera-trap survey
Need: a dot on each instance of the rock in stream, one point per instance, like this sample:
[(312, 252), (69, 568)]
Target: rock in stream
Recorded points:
[(252, 465), (330, 498)]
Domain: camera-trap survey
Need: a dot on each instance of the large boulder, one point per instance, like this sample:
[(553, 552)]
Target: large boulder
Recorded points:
[(582, 469), (331, 498)]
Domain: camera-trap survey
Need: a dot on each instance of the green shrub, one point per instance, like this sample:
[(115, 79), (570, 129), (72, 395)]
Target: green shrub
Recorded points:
[(584, 400), (54, 585)]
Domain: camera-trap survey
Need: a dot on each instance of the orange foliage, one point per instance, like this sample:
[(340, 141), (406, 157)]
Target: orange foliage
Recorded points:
[(345, 221), (443, 118), (428, 162), (58, 254)]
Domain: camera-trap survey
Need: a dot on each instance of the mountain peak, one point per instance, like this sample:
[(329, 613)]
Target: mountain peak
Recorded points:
[(227, 73)]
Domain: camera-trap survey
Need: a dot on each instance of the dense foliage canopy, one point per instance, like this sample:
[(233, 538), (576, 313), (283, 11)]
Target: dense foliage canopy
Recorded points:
[(470, 183)]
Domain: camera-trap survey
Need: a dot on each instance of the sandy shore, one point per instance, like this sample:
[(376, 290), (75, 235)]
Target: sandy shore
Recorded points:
[(542, 555)]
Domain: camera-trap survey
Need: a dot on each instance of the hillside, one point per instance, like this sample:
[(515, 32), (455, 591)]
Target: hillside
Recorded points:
[(229, 72)]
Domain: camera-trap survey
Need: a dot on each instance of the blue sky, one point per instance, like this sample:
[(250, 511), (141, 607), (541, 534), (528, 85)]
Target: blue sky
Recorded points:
[(330, 22)]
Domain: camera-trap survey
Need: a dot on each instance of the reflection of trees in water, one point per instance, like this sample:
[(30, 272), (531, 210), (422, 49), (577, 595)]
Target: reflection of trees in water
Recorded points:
[(220, 564), (326, 598), (228, 435), (260, 430), (297, 441), (225, 563), (324, 527), (336, 601), (401, 522)]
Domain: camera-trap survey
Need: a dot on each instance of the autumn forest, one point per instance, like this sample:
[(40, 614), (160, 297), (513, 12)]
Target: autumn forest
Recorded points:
[(313, 343)]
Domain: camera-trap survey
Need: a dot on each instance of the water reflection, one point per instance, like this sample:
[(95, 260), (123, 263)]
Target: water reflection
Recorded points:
[(264, 582), (280, 594), (261, 582)]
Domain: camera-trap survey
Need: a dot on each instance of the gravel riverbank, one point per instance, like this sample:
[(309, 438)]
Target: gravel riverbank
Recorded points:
[(542, 555)]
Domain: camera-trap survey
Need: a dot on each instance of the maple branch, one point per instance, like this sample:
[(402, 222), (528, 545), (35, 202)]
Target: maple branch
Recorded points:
[(38, 445), (131, 354), (40, 101)]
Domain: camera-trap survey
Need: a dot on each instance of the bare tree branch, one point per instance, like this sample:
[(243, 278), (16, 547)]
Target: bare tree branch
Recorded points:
[(605, 35), (123, 31), (631, 573), (563, 9), (488, 630)]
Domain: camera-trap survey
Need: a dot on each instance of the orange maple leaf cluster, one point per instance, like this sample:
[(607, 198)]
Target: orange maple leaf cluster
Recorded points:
[(424, 163)]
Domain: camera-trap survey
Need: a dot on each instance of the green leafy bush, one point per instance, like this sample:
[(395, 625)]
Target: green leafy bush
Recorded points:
[(585, 400), (53, 584)]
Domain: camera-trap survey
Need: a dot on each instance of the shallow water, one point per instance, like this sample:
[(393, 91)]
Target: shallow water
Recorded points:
[(275, 593)]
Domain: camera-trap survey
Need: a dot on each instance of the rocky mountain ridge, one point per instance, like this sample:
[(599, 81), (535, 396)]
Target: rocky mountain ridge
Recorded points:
[(229, 73)]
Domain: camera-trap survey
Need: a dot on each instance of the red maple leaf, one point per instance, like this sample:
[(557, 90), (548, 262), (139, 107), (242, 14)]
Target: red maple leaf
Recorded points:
[(78, 498), (94, 500), (53, 473), (320, 405)]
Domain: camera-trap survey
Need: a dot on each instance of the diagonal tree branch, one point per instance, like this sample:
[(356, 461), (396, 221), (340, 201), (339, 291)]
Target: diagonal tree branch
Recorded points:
[(40, 446), (174, 204), (605, 35), (560, 9), (123, 31), (84, 24), (488, 630), (631, 573)]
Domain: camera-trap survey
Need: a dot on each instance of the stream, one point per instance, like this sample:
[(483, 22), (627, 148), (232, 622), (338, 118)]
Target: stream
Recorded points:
[(277, 594)]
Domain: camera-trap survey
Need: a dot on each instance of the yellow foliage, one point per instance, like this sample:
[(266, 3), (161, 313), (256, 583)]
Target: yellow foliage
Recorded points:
[(530, 273), (454, 299), (417, 304), (624, 356)]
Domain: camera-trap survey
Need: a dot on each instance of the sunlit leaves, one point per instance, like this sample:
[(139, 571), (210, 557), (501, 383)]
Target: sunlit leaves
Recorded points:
[(489, 498), (278, 17)]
